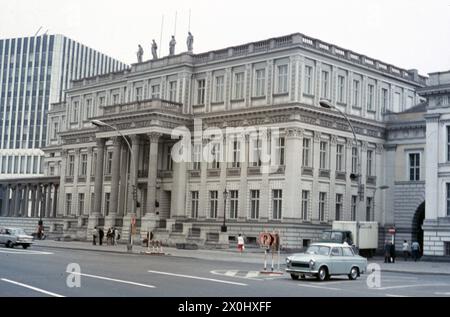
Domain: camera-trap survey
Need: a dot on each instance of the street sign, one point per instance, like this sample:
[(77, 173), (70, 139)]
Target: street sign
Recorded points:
[(265, 239), (391, 230)]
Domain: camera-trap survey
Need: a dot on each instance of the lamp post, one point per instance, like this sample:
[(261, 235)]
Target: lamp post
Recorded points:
[(225, 196), (100, 123)]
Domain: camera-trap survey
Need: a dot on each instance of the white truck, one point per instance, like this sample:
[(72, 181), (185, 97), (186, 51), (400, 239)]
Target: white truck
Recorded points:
[(361, 234)]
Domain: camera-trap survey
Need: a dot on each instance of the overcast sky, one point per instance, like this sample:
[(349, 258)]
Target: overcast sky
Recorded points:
[(406, 33)]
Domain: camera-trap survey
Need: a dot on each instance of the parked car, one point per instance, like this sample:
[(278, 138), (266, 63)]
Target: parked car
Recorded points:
[(325, 259), (11, 237)]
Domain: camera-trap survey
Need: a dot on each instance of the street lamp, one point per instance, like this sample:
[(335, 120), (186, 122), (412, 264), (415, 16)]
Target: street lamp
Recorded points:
[(100, 123), (225, 196), (326, 104)]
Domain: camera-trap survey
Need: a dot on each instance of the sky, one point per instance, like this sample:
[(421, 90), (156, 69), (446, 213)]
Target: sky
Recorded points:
[(406, 33)]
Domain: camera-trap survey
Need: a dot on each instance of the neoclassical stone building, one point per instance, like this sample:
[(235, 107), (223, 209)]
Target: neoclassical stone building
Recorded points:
[(276, 84)]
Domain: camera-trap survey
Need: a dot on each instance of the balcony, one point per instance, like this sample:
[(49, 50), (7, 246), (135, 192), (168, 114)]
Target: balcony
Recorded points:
[(371, 180), (82, 179), (69, 179), (234, 171), (194, 173), (149, 104), (254, 170), (214, 172), (307, 171), (341, 175), (279, 170), (324, 173), (165, 174)]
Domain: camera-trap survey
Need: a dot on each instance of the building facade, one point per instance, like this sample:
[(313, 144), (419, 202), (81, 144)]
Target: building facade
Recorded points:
[(264, 96)]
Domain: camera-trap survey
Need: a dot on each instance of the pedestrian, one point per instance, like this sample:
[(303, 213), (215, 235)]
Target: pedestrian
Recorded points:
[(415, 248), (116, 236), (392, 246), (108, 237), (94, 236), (241, 246), (405, 249), (113, 236), (387, 252), (101, 234)]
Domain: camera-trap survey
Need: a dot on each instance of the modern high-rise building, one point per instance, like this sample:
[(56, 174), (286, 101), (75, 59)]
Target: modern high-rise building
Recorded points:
[(34, 73)]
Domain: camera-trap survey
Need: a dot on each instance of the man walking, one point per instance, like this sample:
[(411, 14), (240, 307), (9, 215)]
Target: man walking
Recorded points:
[(241, 243), (100, 236), (405, 249), (94, 236), (415, 247)]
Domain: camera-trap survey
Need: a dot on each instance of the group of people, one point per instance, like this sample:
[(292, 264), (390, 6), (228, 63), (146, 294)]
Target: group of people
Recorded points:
[(112, 236), (390, 255)]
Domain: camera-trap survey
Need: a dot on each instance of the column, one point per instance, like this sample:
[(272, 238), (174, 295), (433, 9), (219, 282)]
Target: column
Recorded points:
[(62, 182), (178, 197), (98, 185), (315, 187), (347, 214), (114, 199), (5, 212), (33, 201), (332, 168), (17, 200), (363, 160), (38, 204), (293, 173), (243, 185), (133, 173), (123, 180), (55, 201), (203, 192), (152, 174), (48, 203), (265, 195), (26, 201), (44, 200)]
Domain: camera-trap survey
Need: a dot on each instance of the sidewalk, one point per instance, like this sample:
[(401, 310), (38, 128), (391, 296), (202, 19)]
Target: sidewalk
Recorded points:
[(250, 255)]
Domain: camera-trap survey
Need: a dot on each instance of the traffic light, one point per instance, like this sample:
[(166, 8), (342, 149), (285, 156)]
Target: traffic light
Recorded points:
[(134, 193)]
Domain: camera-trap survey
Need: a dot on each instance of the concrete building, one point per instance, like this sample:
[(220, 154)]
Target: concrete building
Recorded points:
[(275, 84)]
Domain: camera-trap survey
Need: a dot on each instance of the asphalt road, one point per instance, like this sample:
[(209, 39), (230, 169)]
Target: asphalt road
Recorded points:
[(43, 272)]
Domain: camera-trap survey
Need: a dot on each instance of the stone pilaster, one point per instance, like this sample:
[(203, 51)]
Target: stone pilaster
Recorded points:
[(6, 196), (293, 173), (243, 183), (98, 186), (114, 198)]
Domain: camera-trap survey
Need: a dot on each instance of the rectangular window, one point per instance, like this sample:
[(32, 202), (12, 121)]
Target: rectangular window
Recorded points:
[(370, 95), (260, 83), (396, 102), (384, 100), (68, 204), (239, 86), (354, 159), (94, 163), (254, 204), (138, 94), (107, 202), (356, 93), (323, 155), (369, 212), (341, 89), (109, 156), (197, 157), (201, 87), (279, 150), (70, 166), (234, 203), (194, 204), (306, 155), (75, 111), (101, 101), (354, 204), (173, 91), (414, 166), (55, 130), (169, 160), (340, 157), (448, 144), (277, 200), (325, 84), (155, 91), (339, 200), (308, 79), (369, 163), (236, 148), (305, 204), (83, 165), (256, 152), (52, 170), (448, 199), (116, 99), (282, 79), (80, 204), (322, 204), (213, 203), (219, 89), (447, 248), (215, 152)]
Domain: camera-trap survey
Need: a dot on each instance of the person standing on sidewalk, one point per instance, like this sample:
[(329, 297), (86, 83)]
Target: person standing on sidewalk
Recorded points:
[(241, 245), (94, 236), (387, 252), (415, 248), (405, 249), (101, 234), (392, 252)]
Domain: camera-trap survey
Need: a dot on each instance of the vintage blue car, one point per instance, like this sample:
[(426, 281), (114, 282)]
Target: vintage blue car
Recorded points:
[(325, 259)]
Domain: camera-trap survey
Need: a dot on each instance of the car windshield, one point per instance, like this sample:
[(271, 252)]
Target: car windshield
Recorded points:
[(18, 232), (318, 249), (332, 236)]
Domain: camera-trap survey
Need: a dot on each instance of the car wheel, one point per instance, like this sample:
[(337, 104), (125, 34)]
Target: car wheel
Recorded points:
[(294, 277), (9, 244), (353, 273), (323, 274), (303, 276), (25, 246)]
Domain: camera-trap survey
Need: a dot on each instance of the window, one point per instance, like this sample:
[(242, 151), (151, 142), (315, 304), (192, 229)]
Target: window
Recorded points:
[(236, 154), (68, 204), (306, 155), (308, 79), (215, 152), (370, 94), (254, 204), (339, 198), (80, 204), (83, 165), (234, 203), (213, 201), (369, 163), (323, 155), (194, 204), (369, 213), (282, 79), (70, 166), (116, 99), (239, 86), (219, 88), (347, 252), (322, 204), (201, 92), (101, 101), (340, 157), (341, 89), (257, 152), (448, 199), (279, 150), (197, 157), (75, 111), (277, 200), (169, 161), (260, 82), (325, 84), (305, 204), (52, 170), (414, 166), (55, 130), (448, 143), (336, 251), (356, 94), (354, 159), (94, 163), (107, 202), (409, 102), (138, 95), (155, 91), (447, 248), (384, 100), (109, 157), (396, 102), (173, 91), (353, 207)]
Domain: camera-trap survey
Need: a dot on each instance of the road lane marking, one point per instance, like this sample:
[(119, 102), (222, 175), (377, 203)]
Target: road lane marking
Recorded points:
[(406, 286), (231, 273), (251, 274), (235, 276), (321, 287), (442, 293), (17, 251), (32, 288), (393, 295), (111, 279), (198, 278)]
